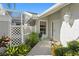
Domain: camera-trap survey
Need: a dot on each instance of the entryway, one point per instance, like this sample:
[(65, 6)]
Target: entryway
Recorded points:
[(43, 28)]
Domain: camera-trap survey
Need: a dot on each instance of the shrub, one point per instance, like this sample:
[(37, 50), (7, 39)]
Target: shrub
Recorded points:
[(23, 49), (69, 53), (17, 50), (64, 50), (58, 52), (11, 51), (72, 49), (55, 46), (32, 39), (73, 45)]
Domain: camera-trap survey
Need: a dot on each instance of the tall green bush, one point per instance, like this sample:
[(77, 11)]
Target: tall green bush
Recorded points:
[(32, 39)]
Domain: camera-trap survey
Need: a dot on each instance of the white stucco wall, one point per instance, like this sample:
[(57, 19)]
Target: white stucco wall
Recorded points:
[(56, 19)]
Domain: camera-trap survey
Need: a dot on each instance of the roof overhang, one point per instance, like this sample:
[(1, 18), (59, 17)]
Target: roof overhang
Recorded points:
[(52, 9)]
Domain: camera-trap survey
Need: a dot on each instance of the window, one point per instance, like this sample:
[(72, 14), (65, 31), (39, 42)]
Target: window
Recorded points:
[(42, 27)]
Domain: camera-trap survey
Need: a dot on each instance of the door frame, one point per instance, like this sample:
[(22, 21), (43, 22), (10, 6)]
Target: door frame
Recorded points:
[(46, 26)]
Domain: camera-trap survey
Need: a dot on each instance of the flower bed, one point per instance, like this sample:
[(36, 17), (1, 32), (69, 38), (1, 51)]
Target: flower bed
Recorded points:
[(72, 49), (20, 50)]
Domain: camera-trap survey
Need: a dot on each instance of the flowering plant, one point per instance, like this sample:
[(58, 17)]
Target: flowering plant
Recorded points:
[(4, 40)]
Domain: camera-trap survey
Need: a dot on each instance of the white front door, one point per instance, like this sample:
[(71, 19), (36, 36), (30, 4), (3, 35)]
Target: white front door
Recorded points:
[(44, 27)]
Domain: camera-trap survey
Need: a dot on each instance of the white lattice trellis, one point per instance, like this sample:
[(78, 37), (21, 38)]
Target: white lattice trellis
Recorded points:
[(16, 35), (17, 31)]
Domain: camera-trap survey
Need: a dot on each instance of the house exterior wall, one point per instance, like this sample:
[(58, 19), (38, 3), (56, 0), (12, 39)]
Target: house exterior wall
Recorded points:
[(72, 10), (57, 19), (4, 25)]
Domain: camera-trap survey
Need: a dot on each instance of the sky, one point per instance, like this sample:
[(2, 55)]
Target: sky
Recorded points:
[(31, 7)]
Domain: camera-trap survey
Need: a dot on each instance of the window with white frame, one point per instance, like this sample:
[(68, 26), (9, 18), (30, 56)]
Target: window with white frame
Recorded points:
[(42, 27)]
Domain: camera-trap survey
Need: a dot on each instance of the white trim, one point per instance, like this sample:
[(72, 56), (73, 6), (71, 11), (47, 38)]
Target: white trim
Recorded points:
[(10, 30), (29, 14), (16, 26), (53, 9), (22, 29)]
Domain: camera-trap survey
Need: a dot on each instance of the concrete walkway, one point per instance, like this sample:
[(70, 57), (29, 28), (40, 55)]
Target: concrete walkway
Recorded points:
[(42, 48)]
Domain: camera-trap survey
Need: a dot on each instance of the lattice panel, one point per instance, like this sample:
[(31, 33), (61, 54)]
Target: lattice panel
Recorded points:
[(16, 30), (16, 41), (26, 19), (16, 35)]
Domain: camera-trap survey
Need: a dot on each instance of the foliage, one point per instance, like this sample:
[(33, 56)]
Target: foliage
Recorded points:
[(73, 45), (23, 49), (72, 49), (70, 53), (11, 50), (32, 39), (17, 50), (64, 50), (4, 40), (59, 52), (55, 45)]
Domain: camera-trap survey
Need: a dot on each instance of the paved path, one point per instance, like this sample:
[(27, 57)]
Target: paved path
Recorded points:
[(42, 48)]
